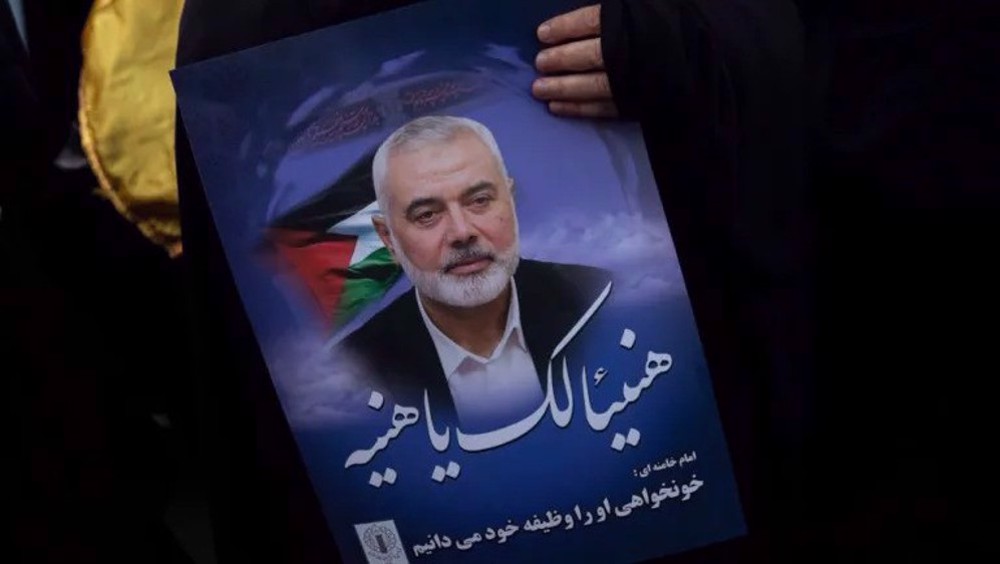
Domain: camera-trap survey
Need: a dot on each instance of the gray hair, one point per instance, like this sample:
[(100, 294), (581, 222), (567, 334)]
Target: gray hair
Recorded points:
[(421, 131)]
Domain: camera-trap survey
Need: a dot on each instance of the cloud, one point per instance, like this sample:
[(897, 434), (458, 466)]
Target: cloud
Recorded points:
[(315, 389), (399, 64), (639, 252), (649, 286)]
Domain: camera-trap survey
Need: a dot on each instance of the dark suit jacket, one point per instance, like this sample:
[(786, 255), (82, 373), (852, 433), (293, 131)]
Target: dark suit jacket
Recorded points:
[(397, 352)]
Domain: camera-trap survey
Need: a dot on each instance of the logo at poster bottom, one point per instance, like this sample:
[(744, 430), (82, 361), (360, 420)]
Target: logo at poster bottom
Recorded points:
[(381, 543)]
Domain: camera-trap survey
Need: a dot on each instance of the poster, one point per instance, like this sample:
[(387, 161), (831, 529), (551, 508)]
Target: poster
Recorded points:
[(471, 310)]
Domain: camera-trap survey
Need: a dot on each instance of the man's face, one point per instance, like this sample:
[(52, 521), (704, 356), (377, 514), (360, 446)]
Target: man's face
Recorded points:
[(451, 222)]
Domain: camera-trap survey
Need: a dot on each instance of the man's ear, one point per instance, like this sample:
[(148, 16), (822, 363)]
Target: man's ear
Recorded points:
[(512, 187), (382, 228)]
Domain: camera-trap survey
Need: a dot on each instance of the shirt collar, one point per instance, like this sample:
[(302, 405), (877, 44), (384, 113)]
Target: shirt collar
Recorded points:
[(452, 354)]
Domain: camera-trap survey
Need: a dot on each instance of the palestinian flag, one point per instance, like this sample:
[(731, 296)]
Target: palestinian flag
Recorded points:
[(331, 245)]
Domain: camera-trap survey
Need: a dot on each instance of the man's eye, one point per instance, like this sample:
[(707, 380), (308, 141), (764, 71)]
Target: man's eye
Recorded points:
[(481, 200), (424, 217)]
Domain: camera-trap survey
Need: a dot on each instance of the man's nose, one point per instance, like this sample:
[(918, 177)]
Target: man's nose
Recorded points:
[(460, 231)]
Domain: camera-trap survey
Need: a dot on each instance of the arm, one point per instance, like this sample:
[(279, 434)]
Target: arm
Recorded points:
[(696, 54), (718, 87)]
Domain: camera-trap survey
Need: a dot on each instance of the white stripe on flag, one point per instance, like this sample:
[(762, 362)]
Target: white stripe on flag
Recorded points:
[(360, 225)]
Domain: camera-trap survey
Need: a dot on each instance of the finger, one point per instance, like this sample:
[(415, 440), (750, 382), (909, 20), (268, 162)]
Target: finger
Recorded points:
[(582, 55), (573, 88), (605, 109), (578, 24)]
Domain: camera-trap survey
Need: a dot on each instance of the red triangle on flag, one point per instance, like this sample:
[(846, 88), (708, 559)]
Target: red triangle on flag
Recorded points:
[(321, 262)]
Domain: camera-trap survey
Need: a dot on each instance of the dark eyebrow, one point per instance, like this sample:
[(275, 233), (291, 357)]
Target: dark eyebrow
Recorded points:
[(478, 187), (420, 202)]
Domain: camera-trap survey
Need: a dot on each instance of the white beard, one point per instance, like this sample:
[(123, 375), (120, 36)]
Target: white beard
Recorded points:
[(469, 290)]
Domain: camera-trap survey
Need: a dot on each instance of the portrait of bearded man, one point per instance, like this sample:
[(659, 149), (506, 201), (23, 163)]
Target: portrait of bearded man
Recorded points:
[(479, 327)]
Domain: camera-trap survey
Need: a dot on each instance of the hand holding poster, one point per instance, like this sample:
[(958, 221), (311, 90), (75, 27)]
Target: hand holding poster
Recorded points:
[(471, 310)]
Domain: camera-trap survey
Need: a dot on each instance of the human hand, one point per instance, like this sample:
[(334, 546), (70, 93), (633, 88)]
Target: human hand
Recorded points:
[(581, 87)]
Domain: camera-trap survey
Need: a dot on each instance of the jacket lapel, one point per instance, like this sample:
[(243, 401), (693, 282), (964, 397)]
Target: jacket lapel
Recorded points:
[(541, 318), (414, 344)]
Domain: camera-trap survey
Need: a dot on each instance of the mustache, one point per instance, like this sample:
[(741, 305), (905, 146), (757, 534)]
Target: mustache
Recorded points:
[(463, 256)]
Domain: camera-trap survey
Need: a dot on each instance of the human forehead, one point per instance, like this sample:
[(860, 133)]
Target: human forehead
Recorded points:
[(463, 157)]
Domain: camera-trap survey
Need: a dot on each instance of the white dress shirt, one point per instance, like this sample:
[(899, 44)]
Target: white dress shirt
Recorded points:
[(490, 392)]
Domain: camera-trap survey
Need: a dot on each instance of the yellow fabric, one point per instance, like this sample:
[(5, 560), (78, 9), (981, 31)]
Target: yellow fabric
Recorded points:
[(127, 109)]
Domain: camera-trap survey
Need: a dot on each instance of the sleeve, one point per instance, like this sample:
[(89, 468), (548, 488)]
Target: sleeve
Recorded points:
[(212, 28), (675, 55), (718, 88)]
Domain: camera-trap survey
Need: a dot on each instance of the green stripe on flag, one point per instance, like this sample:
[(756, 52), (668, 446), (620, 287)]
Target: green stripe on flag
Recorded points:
[(368, 280)]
